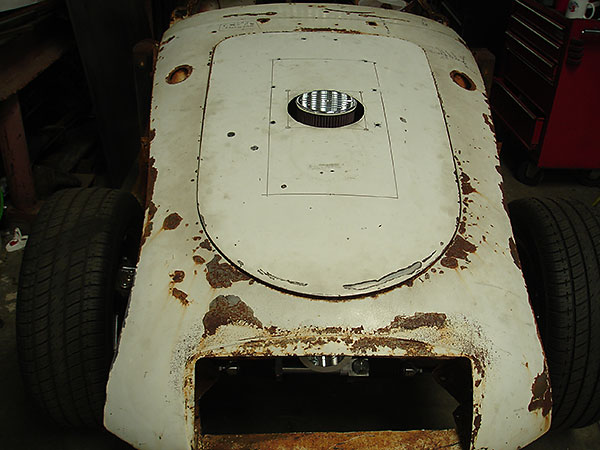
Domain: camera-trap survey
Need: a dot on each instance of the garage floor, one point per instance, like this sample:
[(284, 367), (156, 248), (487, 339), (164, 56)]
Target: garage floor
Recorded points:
[(22, 427)]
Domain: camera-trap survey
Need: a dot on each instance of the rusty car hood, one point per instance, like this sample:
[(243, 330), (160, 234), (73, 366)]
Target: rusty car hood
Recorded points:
[(329, 212), (404, 250)]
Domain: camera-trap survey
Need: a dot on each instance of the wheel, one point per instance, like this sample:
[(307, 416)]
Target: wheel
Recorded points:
[(558, 242), (72, 298), (528, 173)]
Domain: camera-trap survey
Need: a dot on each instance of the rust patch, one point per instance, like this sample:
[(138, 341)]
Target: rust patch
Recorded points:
[(398, 440), (180, 295), (462, 226), (460, 248), (198, 259), (205, 244), (333, 30), (450, 263), (368, 344), (270, 13), (542, 397), (476, 425), (152, 134), (488, 121), (371, 23), (263, 20), (148, 227), (172, 221), (152, 174), (465, 184), (223, 275), (226, 310), (177, 276), (417, 320), (513, 252)]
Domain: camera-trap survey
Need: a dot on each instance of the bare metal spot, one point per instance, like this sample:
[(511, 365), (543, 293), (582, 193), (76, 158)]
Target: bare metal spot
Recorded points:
[(228, 309), (172, 221)]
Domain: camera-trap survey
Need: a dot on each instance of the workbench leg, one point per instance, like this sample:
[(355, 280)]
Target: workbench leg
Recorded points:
[(15, 155)]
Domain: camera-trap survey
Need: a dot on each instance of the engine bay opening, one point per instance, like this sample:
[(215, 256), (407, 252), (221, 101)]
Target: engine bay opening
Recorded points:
[(332, 394)]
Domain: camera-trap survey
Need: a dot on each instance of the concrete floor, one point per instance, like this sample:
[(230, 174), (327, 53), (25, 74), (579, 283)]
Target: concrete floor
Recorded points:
[(22, 426)]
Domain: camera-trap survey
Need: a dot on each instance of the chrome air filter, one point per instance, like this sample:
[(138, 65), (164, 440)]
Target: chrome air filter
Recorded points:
[(325, 109)]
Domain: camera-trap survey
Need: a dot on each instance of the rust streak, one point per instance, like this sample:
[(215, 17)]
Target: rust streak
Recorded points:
[(542, 397), (172, 221), (226, 310), (223, 275)]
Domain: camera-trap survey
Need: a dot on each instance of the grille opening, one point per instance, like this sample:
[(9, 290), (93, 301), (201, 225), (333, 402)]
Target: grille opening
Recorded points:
[(281, 395)]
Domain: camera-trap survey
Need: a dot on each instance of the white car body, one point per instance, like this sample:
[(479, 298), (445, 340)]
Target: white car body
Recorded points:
[(387, 237)]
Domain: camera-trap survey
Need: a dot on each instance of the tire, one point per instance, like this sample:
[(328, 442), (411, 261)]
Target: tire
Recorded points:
[(68, 300), (559, 246)]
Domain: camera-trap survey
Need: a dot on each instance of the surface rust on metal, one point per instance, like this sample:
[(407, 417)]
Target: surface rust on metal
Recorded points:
[(198, 259), (263, 20), (514, 253), (177, 276), (152, 174), (330, 30), (223, 275), (172, 221), (417, 320), (148, 227), (488, 121), (226, 310), (180, 295), (465, 184), (476, 423), (205, 244), (269, 13), (389, 440), (459, 249), (542, 396)]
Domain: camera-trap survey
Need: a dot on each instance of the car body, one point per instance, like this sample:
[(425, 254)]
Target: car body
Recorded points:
[(268, 238)]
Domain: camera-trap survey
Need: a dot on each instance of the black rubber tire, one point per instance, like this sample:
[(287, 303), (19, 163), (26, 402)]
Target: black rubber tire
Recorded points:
[(68, 298), (559, 246)]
